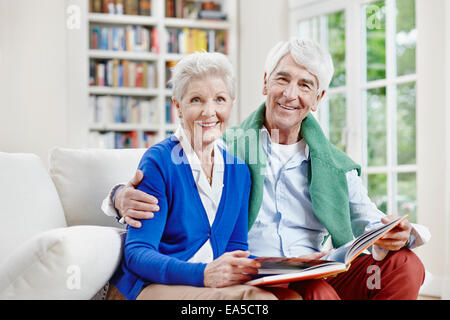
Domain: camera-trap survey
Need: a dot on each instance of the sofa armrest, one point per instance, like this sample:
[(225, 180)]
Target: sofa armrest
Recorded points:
[(63, 263)]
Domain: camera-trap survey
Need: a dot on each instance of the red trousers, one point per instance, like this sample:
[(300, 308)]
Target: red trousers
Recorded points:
[(398, 276)]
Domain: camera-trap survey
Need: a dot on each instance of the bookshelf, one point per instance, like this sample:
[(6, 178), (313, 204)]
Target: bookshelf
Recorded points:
[(125, 102)]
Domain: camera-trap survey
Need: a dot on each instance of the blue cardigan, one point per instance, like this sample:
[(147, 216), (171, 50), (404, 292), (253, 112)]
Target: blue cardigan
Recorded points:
[(158, 251)]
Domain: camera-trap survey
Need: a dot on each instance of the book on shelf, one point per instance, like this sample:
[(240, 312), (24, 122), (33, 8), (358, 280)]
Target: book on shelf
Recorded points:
[(108, 6), (191, 9), (149, 139), (121, 140), (187, 40), (276, 270), (100, 72), (175, 8), (212, 15), (122, 109), (131, 7), (120, 7), (145, 7), (169, 71), (117, 73), (155, 41), (128, 38), (171, 112)]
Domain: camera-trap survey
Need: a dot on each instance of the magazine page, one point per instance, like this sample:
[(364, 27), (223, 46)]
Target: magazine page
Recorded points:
[(277, 265), (338, 254), (367, 239)]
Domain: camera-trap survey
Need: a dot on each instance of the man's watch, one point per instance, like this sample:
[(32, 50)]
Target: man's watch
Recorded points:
[(121, 220)]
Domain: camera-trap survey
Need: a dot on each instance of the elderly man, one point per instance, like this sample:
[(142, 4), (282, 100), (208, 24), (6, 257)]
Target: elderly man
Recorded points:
[(303, 188)]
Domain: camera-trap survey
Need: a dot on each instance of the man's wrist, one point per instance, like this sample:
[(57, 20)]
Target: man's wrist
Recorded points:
[(114, 193), (407, 242), (108, 204), (119, 218)]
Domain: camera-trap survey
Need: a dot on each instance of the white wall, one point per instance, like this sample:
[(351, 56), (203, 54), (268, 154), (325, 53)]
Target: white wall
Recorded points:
[(32, 76), (446, 284), (33, 70), (433, 140), (262, 24)]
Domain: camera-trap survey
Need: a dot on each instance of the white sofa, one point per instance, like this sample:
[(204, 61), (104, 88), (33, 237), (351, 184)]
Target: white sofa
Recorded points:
[(55, 242)]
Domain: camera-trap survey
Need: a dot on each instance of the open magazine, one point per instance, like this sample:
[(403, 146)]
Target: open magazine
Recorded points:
[(275, 270)]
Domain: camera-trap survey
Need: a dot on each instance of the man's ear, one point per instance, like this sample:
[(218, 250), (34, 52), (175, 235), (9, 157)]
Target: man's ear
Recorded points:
[(318, 98), (265, 84)]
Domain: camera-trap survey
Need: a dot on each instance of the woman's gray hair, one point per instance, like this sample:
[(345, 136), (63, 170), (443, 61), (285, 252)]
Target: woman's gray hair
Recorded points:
[(306, 53), (198, 65)]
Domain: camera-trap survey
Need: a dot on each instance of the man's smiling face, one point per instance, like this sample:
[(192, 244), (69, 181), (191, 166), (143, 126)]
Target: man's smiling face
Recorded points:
[(291, 92)]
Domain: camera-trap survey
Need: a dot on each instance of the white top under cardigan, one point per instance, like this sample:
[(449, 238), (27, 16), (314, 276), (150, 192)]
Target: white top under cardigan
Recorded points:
[(209, 194)]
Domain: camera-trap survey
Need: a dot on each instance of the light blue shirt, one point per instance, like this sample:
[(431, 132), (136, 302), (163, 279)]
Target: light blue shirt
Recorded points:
[(286, 225)]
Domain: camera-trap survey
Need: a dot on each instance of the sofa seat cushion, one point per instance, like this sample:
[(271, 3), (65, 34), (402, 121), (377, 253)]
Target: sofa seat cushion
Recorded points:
[(63, 263)]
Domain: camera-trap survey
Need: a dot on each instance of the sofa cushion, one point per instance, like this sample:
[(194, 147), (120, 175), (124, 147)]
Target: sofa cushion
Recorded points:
[(84, 177), (63, 263), (30, 203)]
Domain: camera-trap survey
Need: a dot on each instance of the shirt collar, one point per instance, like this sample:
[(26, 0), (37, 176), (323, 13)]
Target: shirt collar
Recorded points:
[(213, 191), (266, 141), (192, 157)]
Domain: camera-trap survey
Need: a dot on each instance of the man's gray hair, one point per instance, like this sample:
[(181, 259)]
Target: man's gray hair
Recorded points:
[(202, 64), (306, 53)]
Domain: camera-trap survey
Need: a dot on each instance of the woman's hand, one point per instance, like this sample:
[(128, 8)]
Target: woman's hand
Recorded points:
[(229, 269)]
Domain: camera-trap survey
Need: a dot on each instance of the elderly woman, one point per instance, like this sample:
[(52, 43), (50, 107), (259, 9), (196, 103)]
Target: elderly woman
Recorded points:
[(196, 245)]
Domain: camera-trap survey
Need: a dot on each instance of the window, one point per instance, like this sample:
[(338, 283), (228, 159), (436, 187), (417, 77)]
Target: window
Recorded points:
[(370, 108), (329, 30)]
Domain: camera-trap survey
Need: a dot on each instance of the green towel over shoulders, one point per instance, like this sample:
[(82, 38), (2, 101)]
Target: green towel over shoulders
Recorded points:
[(326, 178)]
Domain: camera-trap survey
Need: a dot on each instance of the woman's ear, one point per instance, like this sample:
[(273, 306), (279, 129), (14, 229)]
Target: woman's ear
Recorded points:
[(177, 105)]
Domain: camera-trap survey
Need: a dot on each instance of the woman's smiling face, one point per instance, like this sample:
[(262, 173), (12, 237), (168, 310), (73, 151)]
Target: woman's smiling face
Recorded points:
[(205, 108)]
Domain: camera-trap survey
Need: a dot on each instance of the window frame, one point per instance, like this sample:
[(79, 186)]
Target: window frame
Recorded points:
[(356, 86)]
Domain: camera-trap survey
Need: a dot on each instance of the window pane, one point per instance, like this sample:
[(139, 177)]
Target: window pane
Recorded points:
[(406, 123), (336, 46), (309, 29), (377, 190), (406, 195), (376, 40), (329, 30), (406, 37), (376, 127), (337, 116)]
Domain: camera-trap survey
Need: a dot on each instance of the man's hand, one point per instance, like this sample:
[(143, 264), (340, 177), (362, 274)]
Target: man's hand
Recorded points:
[(135, 204), (229, 269), (398, 237)]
